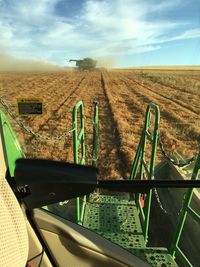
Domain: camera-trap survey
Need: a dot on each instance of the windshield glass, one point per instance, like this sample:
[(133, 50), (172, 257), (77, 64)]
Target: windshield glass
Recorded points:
[(115, 216), (116, 57)]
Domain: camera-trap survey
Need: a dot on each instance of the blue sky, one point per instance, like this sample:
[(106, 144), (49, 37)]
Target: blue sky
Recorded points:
[(121, 33)]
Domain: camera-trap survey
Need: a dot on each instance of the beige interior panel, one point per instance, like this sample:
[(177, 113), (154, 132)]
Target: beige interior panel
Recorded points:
[(72, 254), (13, 234), (35, 249), (73, 245)]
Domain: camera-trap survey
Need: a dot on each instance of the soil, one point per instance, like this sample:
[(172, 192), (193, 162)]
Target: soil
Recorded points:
[(123, 97)]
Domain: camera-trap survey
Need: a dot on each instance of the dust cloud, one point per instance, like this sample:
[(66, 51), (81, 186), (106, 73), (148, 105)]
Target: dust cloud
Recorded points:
[(107, 63), (9, 63)]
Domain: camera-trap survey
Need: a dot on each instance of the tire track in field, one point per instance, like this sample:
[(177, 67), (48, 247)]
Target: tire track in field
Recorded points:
[(183, 106), (186, 114), (64, 115), (130, 114), (121, 153), (55, 95), (33, 90), (36, 90), (176, 129), (53, 149), (49, 92), (54, 116), (184, 95), (109, 160), (189, 80)]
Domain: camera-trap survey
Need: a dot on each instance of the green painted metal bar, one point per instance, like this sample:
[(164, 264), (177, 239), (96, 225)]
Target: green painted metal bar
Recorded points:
[(140, 163), (186, 209), (95, 135), (83, 209), (13, 150), (147, 208), (80, 135), (183, 258), (150, 137), (135, 165), (193, 214), (79, 139), (82, 162), (134, 170), (146, 168), (78, 211), (141, 211)]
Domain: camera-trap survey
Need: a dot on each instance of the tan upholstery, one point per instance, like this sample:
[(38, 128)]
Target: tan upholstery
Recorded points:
[(15, 243), (13, 234)]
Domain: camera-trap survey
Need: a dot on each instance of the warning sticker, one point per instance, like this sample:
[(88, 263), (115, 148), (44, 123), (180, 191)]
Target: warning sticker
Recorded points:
[(30, 106)]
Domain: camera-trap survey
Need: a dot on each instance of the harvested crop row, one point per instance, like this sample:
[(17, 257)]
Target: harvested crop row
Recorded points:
[(186, 82), (109, 161), (175, 95), (122, 104), (57, 122), (128, 116), (59, 118), (176, 124)]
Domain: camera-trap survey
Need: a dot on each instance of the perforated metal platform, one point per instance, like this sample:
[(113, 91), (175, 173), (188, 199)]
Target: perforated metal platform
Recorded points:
[(116, 218), (158, 257)]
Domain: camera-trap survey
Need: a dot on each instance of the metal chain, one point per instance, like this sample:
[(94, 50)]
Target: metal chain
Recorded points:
[(29, 130), (159, 202), (63, 136), (178, 164)]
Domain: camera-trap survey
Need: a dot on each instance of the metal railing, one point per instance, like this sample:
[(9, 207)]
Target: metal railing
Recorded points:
[(140, 168), (79, 158), (185, 211), (79, 154), (95, 135)]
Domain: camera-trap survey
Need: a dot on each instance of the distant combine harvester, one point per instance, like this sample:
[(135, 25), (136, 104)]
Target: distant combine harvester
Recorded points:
[(86, 64)]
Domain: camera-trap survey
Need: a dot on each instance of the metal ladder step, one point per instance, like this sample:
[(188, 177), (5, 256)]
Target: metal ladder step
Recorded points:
[(116, 218), (156, 257)]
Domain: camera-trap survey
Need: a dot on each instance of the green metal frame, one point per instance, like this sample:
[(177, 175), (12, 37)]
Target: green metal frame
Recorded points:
[(78, 137), (140, 165), (12, 146), (186, 210), (13, 151), (95, 135), (79, 140)]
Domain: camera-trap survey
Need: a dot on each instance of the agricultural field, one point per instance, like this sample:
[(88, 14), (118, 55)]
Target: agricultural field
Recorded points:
[(123, 96)]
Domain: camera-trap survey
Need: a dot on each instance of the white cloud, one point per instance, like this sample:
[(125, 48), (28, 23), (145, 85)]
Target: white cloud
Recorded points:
[(188, 34), (35, 29)]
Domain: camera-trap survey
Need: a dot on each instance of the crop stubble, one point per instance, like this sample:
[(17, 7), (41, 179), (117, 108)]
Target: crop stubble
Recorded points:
[(122, 97)]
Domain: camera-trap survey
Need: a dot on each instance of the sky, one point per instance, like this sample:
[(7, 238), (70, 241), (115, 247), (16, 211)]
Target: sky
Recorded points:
[(118, 33)]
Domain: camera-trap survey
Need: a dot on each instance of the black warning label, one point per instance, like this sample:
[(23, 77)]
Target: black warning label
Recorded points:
[(30, 106)]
